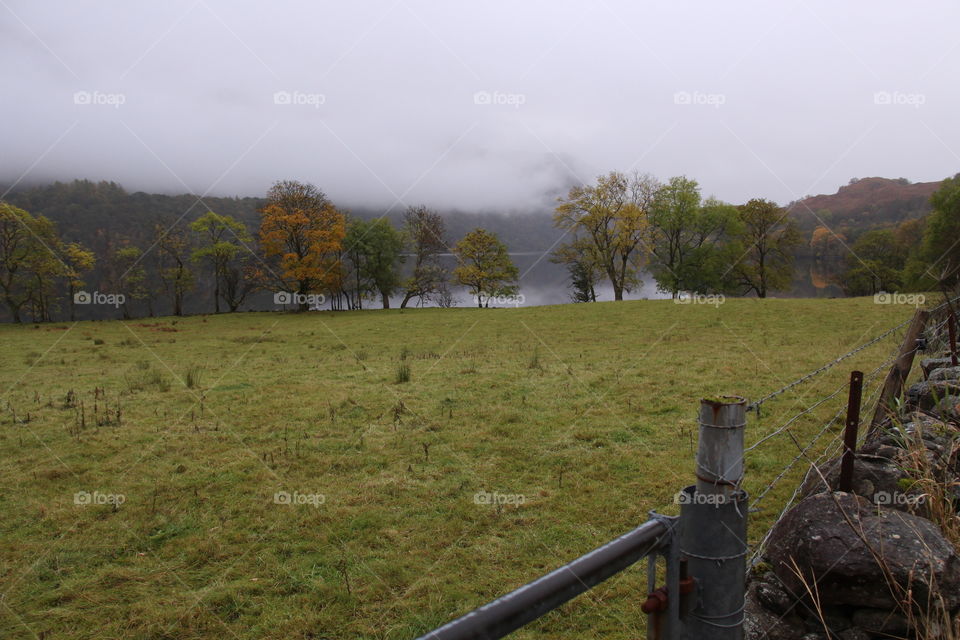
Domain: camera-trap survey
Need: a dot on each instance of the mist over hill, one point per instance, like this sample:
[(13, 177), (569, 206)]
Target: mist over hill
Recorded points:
[(865, 203)]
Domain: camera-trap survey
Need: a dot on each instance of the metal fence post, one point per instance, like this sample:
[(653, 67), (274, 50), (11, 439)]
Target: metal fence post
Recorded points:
[(845, 482), (713, 525)]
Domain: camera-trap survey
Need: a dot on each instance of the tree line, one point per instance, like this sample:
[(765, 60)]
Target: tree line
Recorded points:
[(626, 224), (310, 253), (920, 254), (305, 250)]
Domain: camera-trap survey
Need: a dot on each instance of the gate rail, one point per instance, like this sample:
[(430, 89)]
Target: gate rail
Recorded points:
[(704, 551)]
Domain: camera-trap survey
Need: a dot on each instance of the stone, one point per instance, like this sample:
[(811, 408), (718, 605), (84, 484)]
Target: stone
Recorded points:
[(836, 619), (881, 622), (930, 364), (759, 623), (816, 535), (944, 373), (949, 408), (772, 596), (925, 395), (853, 633), (878, 479)]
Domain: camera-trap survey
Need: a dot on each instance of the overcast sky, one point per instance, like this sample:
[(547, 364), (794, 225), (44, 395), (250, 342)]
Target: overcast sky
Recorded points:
[(478, 105)]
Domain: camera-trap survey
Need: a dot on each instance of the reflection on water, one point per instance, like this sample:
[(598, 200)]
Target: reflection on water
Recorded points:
[(543, 283)]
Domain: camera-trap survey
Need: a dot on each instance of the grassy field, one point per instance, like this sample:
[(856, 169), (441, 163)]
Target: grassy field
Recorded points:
[(383, 426)]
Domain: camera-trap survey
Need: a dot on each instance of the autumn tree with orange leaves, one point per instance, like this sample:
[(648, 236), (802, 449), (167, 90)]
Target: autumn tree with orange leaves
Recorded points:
[(301, 234)]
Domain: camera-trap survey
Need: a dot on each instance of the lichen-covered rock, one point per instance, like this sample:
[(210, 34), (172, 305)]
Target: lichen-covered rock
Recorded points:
[(944, 373), (949, 408), (925, 395), (882, 481), (881, 622), (930, 364), (761, 623), (839, 539)]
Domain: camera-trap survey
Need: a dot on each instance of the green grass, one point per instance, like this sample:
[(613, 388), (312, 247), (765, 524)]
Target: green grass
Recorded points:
[(397, 419)]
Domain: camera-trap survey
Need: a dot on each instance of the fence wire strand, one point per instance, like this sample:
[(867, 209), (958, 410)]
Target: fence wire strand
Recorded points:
[(829, 450)]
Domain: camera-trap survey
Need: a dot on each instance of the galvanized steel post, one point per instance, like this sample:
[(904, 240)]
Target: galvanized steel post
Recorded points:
[(713, 525)]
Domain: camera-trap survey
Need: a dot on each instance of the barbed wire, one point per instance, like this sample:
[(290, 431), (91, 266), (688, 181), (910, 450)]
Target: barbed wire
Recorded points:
[(829, 423), (809, 409), (826, 451), (755, 406), (936, 332)]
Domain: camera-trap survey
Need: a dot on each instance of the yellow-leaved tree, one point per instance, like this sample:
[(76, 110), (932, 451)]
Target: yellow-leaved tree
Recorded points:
[(301, 234), (484, 266)]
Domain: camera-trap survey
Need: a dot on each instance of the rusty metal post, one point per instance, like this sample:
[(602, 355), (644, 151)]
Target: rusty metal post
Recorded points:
[(845, 482), (713, 525)]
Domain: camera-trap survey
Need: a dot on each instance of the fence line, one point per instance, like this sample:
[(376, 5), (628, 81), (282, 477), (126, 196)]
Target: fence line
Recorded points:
[(803, 454), (755, 406), (826, 426), (713, 596)]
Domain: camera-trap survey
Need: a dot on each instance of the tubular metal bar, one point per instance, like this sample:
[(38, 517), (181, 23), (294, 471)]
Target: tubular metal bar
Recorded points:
[(510, 612)]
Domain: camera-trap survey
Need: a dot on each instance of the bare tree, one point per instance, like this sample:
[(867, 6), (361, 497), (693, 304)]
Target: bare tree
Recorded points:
[(425, 230)]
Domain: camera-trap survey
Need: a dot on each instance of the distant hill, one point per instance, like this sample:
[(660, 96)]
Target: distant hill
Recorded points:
[(866, 203)]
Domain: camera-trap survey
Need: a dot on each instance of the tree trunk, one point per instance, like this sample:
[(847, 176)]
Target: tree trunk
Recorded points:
[(406, 298), (386, 300), (216, 294), (14, 310)]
